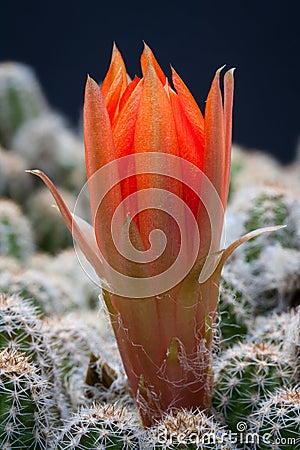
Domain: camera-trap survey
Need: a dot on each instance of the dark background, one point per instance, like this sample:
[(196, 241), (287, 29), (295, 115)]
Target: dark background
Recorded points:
[(64, 41)]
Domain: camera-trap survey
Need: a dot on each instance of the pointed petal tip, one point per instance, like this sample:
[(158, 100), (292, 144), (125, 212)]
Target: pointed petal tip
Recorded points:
[(34, 171)]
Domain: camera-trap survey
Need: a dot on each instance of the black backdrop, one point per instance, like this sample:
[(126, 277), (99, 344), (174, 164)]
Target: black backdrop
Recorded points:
[(64, 41)]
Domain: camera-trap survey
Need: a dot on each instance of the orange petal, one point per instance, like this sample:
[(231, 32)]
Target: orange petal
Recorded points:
[(189, 106), (99, 151), (113, 97), (155, 132), (124, 125), (123, 132), (116, 65), (228, 103), (155, 127), (214, 139), (189, 147), (148, 57), (98, 139), (128, 91)]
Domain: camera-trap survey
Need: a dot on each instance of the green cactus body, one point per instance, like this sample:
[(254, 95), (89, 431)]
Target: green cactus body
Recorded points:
[(235, 311), (74, 340), (21, 99), (25, 404), (246, 373), (101, 427), (264, 206), (277, 421), (268, 209), (16, 239), (22, 330)]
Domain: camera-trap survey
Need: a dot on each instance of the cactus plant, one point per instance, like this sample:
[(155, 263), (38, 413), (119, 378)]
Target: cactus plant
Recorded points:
[(51, 294), (276, 422), (262, 206), (250, 168), (25, 404), (235, 309), (51, 233), (101, 427), (185, 430), (16, 239), (14, 182), (246, 373), (74, 338), (21, 99), (48, 140), (21, 329)]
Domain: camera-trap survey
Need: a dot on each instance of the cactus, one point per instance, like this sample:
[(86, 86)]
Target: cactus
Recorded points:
[(51, 294), (66, 263), (235, 309), (101, 427), (266, 206), (276, 422), (25, 404), (277, 286), (273, 328), (21, 329), (250, 168), (185, 430), (47, 140), (74, 339), (14, 182), (21, 99), (16, 238), (246, 373), (51, 234)]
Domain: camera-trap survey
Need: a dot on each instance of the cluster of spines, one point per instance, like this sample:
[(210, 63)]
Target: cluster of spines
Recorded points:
[(246, 374), (21, 329), (26, 403), (187, 430), (101, 427), (277, 421)]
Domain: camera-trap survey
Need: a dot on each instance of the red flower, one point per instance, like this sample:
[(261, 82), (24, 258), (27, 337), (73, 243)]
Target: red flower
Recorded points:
[(157, 136)]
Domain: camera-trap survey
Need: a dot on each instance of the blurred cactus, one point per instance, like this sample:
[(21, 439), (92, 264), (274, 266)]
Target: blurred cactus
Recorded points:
[(276, 422), (65, 265), (246, 373), (101, 427), (14, 182), (50, 294), (25, 404), (274, 257), (51, 233), (16, 238), (48, 142), (21, 99), (265, 206), (250, 168), (272, 328)]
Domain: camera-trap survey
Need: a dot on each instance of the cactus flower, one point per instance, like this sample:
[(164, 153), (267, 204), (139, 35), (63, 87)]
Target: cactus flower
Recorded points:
[(158, 177)]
